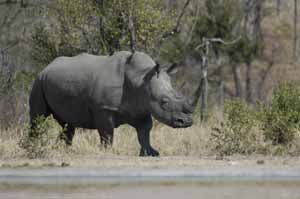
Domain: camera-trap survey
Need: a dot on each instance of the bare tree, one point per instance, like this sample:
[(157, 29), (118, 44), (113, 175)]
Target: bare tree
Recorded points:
[(204, 94), (253, 19), (278, 6), (16, 18), (169, 5), (176, 28), (221, 82), (236, 71), (253, 31), (248, 84), (295, 39), (206, 44), (133, 40)]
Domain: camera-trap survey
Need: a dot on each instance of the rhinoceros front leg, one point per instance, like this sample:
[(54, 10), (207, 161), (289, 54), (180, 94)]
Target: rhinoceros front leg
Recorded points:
[(143, 133)]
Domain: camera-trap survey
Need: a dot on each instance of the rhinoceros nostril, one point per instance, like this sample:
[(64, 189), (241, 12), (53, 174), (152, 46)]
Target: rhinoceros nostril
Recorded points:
[(180, 121)]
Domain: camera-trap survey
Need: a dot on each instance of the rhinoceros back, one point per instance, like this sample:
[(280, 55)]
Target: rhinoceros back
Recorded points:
[(75, 87)]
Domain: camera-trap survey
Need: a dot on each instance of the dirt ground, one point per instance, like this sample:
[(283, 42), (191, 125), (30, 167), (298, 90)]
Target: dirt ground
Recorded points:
[(107, 177), (115, 161)]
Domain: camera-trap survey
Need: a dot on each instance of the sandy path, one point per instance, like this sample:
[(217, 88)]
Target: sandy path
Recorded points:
[(166, 177), (232, 182), (114, 161)]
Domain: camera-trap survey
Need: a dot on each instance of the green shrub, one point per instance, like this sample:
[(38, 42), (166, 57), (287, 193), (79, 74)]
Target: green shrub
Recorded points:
[(235, 134), (42, 139), (281, 119)]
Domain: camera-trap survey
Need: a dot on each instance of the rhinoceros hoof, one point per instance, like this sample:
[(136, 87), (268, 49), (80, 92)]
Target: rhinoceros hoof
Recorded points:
[(149, 152)]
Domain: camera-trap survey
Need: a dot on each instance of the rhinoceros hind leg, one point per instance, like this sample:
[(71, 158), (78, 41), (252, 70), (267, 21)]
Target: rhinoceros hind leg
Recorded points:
[(143, 133), (38, 104), (104, 121)]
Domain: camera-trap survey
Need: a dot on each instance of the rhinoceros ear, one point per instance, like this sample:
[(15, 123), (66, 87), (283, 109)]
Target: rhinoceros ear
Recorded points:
[(140, 68), (154, 71)]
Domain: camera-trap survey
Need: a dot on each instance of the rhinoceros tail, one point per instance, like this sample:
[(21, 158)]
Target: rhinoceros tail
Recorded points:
[(37, 102)]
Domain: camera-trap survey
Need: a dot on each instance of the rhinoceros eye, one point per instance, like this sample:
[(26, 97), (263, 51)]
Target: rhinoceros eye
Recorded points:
[(165, 103)]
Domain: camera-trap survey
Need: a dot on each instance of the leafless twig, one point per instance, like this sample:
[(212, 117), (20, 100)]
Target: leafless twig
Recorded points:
[(131, 27), (178, 21), (9, 47), (215, 40), (176, 29)]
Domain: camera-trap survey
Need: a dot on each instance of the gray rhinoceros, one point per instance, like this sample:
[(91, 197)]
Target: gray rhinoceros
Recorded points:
[(103, 92)]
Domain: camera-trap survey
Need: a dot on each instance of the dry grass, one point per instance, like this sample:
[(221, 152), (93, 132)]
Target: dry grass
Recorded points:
[(87, 151), (191, 142), (189, 147), (182, 142)]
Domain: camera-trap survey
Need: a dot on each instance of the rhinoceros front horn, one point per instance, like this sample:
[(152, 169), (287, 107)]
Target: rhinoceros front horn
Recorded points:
[(192, 101)]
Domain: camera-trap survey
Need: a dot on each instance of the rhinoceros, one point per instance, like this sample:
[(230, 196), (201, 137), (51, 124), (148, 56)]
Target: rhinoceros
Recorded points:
[(104, 92)]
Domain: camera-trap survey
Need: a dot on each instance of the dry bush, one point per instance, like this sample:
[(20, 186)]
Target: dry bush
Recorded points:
[(42, 139)]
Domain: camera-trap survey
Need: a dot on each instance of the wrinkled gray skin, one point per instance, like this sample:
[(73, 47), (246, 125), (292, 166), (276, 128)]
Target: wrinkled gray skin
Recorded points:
[(103, 92)]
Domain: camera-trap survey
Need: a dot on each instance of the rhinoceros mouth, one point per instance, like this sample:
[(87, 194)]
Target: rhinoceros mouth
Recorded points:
[(182, 123)]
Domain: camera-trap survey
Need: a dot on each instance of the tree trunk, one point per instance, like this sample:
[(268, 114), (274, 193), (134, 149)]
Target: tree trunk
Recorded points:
[(248, 86), (253, 18), (257, 20), (295, 40), (237, 80), (131, 27), (221, 82), (261, 82), (221, 91), (170, 5), (204, 95), (278, 7)]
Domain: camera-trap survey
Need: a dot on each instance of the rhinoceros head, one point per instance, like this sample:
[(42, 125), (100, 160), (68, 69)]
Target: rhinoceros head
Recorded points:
[(168, 105), (165, 103)]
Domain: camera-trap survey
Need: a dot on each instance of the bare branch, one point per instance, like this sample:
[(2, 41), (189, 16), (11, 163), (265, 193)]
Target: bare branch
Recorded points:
[(85, 37), (132, 28), (132, 31), (190, 35), (9, 47), (223, 42), (23, 3), (176, 28), (215, 40), (8, 2)]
